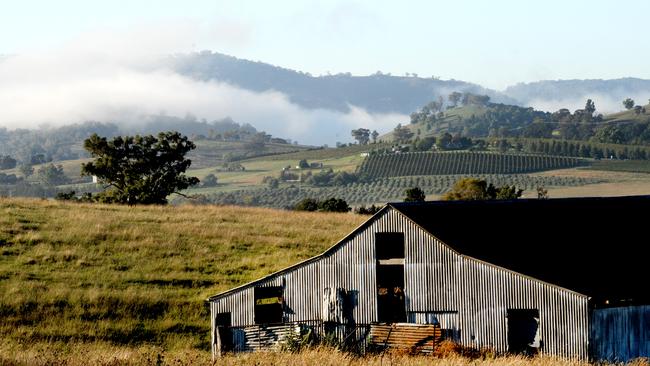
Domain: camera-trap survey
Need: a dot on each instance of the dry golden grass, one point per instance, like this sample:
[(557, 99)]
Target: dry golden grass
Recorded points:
[(615, 184), (114, 285), (102, 354), (135, 276)]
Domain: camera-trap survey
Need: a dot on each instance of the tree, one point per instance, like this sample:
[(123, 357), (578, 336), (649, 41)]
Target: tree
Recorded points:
[(374, 136), (26, 170), (414, 194), (329, 205), (370, 210), (402, 134), (444, 141), (467, 189), (52, 175), (140, 169), (454, 98), (334, 205), (307, 204), (7, 162), (210, 180), (303, 164), (628, 103), (362, 135), (590, 107), (257, 141), (425, 144), (273, 183), (472, 189)]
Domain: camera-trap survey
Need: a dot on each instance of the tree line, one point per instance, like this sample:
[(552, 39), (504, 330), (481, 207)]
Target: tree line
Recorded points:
[(506, 121)]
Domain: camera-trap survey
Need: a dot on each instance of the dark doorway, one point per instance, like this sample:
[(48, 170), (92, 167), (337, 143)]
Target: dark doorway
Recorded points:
[(268, 305), (523, 329), (223, 323), (391, 306)]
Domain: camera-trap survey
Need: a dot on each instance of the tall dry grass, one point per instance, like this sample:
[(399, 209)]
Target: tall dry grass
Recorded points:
[(103, 354), (138, 276)]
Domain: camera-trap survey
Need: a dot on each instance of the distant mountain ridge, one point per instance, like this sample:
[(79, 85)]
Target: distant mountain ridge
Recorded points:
[(615, 90), (385, 93), (378, 93)]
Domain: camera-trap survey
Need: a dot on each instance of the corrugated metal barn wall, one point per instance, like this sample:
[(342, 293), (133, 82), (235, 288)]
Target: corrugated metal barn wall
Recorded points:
[(620, 334), (437, 279)]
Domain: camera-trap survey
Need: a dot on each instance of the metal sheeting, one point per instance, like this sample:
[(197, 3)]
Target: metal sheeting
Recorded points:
[(620, 334), (488, 291), (437, 279), (448, 321), (409, 337), (257, 337)]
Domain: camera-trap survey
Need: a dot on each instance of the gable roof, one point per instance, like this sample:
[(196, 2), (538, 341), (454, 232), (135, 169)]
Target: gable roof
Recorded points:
[(595, 246), (306, 261)]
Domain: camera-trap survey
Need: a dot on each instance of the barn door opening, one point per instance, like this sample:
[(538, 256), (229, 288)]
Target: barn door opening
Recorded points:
[(523, 331), (391, 305), (223, 322), (269, 303)]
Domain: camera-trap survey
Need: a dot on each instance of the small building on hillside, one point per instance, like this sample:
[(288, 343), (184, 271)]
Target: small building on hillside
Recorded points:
[(565, 277)]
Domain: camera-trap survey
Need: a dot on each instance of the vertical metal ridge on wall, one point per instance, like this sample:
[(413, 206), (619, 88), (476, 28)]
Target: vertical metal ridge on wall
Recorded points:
[(437, 279)]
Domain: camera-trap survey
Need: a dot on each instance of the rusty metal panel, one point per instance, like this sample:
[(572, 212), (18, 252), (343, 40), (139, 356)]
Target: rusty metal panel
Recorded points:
[(411, 337)]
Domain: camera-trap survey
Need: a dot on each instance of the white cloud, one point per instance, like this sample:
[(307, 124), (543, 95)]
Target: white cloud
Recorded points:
[(113, 76)]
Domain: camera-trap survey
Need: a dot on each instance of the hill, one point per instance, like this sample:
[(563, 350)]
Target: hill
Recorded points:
[(476, 117), (555, 94), (378, 93), (381, 93), (75, 276)]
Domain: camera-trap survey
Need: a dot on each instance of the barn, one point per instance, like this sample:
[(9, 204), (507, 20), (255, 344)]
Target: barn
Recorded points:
[(565, 277)]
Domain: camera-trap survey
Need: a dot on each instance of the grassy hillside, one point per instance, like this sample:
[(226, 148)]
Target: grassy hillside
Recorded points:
[(112, 285), (628, 115), (633, 166), (116, 277), (211, 153)]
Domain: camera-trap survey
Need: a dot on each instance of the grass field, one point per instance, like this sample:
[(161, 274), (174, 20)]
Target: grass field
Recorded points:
[(211, 153), (95, 284), (116, 277), (612, 183), (633, 166), (384, 190), (257, 169), (151, 355)]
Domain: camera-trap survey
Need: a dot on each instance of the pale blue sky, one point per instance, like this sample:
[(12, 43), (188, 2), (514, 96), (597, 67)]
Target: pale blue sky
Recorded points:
[(494, 43)]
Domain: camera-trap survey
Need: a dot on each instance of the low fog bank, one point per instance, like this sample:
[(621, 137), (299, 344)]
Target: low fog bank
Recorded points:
[(97, 78)]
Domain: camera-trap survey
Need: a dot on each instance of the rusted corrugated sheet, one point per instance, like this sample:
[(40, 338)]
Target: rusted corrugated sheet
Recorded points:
[(620, 334), (437, 280), (414, 338)]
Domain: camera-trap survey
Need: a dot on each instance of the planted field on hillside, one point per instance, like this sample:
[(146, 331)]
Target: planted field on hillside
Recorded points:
[(464, 162), (212, 153), (327, 153), (383, 190)]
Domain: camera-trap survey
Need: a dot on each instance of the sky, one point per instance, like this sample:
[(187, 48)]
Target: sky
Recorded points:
[(69, 61), (493, 43)]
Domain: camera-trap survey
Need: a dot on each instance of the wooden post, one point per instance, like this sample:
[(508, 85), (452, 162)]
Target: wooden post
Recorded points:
[(216, 352)]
